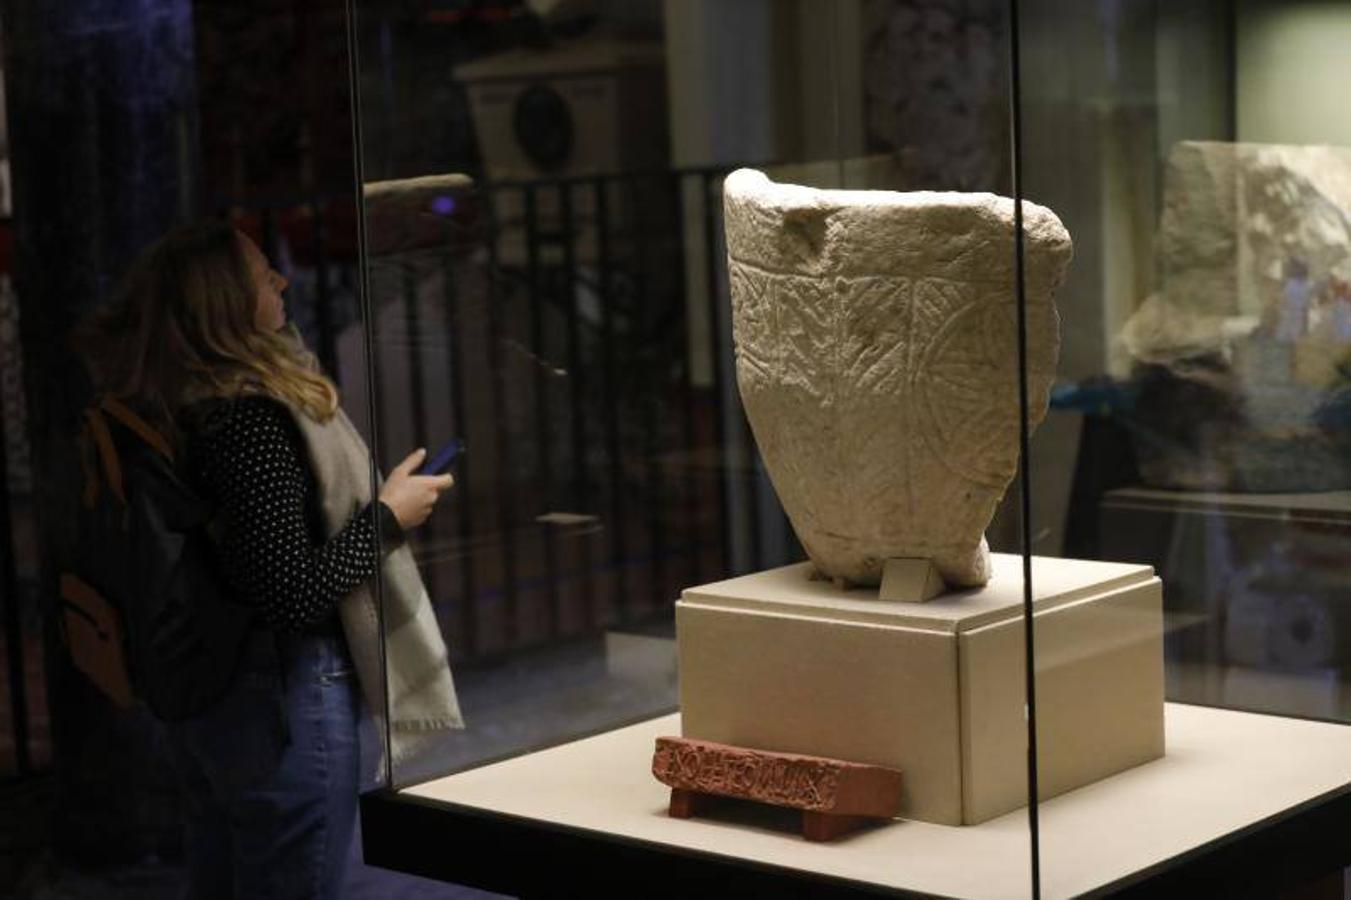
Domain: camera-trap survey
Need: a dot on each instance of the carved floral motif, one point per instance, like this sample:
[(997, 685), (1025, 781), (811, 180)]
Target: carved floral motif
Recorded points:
[(782, 779)]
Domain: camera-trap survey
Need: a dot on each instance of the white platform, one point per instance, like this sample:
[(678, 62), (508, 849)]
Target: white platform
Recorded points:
[(776, 661), (1224, 771)]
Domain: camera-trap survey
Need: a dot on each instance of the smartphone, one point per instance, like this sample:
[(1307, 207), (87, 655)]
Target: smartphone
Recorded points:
[(443, 458)]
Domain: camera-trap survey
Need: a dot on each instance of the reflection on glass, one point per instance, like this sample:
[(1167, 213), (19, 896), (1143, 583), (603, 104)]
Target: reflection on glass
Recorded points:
[(545, 289), (1237, 354), (551, 287), (1200, 426)]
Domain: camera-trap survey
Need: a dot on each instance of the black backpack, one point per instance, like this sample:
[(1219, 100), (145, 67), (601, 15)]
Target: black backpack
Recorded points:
[(146, 612)]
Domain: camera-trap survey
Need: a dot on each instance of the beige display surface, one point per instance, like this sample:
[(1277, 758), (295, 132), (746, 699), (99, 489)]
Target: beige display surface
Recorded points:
[(1225, 771), (776, 661)]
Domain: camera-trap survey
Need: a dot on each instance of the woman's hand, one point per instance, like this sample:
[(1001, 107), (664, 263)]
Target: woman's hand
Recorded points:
[(409, 496)]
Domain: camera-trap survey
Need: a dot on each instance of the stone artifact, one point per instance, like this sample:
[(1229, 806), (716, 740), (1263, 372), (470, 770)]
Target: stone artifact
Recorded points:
[(1239, 357), (877, 359), (834, 796)]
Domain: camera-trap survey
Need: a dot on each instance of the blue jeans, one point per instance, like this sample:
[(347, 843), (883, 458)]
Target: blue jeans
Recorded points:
[(271, 787)]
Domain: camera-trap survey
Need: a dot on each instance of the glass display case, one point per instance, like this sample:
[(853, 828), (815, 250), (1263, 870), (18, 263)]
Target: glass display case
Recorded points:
[(843, 459), (1197, 153)]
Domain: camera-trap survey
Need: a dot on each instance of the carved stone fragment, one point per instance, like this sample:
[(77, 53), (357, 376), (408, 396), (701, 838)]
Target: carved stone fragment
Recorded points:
[(810, 783), (876, 354)]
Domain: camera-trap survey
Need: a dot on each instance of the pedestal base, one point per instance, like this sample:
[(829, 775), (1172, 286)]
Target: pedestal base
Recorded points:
[(779, 662)]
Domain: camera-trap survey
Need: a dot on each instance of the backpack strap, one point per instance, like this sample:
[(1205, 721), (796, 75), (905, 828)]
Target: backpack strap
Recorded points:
[(91, 482), (92, 630), (97, 428), (97, 438), (138, 426)]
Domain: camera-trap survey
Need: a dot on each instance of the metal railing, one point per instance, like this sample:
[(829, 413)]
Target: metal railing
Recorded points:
[(595, 413)]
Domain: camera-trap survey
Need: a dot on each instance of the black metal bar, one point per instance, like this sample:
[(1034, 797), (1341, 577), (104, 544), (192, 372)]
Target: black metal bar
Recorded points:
[(793, 551), (618, 554), (713, 298), (323, 296), (750, 456), (412, 317), (270, 237), (751, 459), (506, 490), (692, 500), (464, 468), (1024, 447), (581, 492), (653, 483), (414, 343), (376, 376), (543, 434), (365, 304), (18, 684), (576, 381)]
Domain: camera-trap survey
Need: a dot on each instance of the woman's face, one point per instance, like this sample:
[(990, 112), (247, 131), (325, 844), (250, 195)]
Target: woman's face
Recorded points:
[(269, 310)]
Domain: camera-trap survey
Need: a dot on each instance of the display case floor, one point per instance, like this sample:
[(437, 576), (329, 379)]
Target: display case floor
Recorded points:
[(1225, 772), (554, 694)]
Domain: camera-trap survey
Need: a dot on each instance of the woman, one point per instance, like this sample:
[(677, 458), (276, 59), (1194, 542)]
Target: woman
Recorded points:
[(197, 343)]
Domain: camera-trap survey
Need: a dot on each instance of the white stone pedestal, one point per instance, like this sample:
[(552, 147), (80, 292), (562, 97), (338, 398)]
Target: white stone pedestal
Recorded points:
[(778, 661)]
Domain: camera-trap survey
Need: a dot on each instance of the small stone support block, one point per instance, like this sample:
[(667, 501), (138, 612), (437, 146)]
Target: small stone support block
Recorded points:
[(910, 581), (835, 796), (822, 827)]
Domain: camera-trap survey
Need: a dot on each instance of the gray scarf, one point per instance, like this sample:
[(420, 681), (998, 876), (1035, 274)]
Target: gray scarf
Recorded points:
[(416, 676)]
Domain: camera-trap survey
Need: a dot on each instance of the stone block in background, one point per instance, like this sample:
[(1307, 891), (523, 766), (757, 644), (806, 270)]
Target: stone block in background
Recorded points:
[(1239, 354)]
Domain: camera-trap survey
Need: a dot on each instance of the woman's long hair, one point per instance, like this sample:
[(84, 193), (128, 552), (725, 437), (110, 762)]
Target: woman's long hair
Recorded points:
[(182, 327)]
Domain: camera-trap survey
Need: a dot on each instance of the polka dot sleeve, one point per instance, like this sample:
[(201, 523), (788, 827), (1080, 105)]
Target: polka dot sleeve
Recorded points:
[(252, 460)]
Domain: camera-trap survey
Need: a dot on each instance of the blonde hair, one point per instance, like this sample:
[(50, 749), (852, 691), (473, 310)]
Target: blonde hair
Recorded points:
[(182, 328)]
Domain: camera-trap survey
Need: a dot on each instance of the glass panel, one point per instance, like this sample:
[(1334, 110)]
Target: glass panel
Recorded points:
[(520, 268), (549, 283), (1196, 153), (123, 123), (548, 286)]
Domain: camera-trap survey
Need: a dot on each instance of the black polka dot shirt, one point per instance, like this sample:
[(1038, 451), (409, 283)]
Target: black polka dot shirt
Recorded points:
[(248, 457)]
